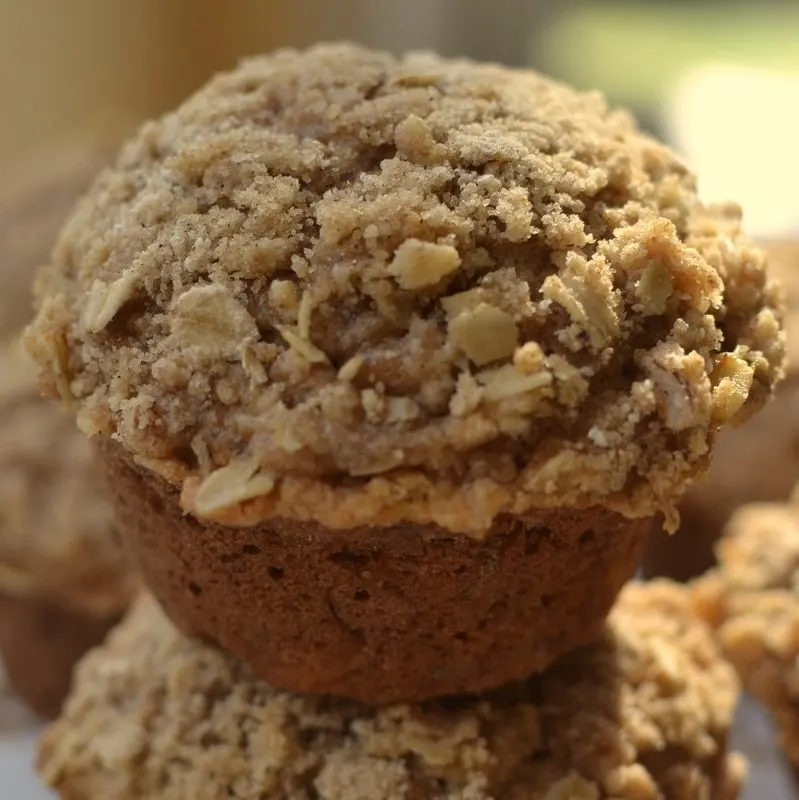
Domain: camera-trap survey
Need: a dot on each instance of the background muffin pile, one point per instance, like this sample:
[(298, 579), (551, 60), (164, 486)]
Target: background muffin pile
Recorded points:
[(64, 579), (389, 364)]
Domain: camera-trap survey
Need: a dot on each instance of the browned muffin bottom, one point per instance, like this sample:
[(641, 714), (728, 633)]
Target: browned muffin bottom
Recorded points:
[(343, 286), (757, 462), (752, 598), (64, 579), (40, 643), (643, 714), (409, 612)]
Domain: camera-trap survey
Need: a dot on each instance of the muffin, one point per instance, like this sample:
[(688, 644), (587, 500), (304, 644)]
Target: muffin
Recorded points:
[(758, 462), (391, 361), (64, 580), (752, 598), (641, 714), (34, 202)]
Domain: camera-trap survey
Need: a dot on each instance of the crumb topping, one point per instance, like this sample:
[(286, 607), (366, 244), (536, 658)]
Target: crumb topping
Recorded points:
[(56, 529), (386, 289), (641, 715)]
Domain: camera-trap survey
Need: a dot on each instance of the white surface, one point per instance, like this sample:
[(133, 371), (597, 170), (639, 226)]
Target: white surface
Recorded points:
[(17, 781), (768, 780)]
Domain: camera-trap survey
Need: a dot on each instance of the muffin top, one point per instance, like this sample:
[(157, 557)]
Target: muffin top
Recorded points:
[(343, 286), (642, 714), (56, 529)]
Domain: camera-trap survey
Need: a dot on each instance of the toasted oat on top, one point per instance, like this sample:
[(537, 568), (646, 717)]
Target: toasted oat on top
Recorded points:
[(353, 287), (642, 714), (752, 599)]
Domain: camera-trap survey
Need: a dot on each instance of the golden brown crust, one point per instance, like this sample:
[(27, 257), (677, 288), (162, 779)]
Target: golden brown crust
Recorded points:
[(643, 714), (752, 599), (57, 537), (404, 289)]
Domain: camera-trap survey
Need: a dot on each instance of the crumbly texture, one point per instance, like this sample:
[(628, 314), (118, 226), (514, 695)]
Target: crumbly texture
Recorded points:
[(641, 715), (768, 445), (57, 535), (340, 285), (400, 613), (752, 598), (33, 206)]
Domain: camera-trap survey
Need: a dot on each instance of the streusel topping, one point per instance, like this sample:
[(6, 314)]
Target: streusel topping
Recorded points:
[(343, 286)]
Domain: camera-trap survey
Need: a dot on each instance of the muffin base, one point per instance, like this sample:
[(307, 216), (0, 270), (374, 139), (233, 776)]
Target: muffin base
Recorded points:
[(380, 615), (40, 643)]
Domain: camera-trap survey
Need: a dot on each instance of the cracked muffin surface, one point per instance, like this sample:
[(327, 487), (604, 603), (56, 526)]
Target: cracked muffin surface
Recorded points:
[(642, 714), (341, 286)]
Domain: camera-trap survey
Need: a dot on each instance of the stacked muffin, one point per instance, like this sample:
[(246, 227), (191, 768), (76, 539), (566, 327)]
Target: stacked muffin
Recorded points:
[(64, 580), (389, 363)]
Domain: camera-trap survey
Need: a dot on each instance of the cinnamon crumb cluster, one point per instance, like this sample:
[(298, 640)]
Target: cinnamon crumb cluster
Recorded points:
[(347, 287)]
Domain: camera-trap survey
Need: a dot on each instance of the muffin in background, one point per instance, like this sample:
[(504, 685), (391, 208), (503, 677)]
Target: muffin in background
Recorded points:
[(641, 714), (757, 462), (64, 577)]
